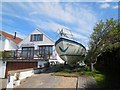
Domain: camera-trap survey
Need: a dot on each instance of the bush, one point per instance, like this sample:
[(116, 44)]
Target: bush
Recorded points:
[(1, 53)]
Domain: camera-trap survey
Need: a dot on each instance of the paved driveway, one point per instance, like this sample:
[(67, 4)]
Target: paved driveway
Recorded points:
[(48, 81), (3, 83)]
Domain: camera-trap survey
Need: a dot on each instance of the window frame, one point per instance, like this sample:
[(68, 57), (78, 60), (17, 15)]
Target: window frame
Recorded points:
[(28, 52), (36, 37), (45, 50)]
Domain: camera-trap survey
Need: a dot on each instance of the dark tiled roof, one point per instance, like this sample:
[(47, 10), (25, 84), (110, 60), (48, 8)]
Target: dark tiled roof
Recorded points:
[(16, 40)]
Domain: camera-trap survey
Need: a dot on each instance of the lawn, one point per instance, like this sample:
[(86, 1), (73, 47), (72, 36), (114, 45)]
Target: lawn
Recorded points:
[(98, 76)]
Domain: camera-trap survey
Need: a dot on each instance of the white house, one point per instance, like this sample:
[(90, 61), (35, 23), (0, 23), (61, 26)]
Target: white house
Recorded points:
[(7, 42), (41, 45), (35, 50)]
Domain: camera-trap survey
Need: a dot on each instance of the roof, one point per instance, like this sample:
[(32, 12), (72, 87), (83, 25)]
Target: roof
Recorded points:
[(16, 40)]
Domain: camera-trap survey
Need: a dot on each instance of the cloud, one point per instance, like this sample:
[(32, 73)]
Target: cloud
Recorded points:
[(107, 0), (79, 36), (19, 34), (60, 1), (50, 26), (12, 31), (105, 5), (66, 14), (78, 18), (115, 7), (53, 10), (32, 0)]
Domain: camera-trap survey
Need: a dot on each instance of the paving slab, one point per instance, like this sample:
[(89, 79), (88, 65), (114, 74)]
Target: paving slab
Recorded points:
[(67, 82), (45, 80), (86, 82), (0, 83), (48, 81), (3, 83)]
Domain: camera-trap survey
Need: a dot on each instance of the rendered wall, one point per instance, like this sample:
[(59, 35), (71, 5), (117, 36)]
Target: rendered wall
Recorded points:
[(2, 68)]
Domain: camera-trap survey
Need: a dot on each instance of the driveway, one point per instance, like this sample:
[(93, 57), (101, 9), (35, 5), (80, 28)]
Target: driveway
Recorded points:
[(3, 83), (48, 81), (45, 80)]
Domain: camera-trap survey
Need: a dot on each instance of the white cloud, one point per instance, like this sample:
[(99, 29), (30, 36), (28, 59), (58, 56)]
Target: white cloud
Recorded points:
[(50, 25), (53, 10), (107, 0), (115, 7), (82, 18), (79, 36), (105, 5), (79, 19), (31, 1), (19, 34), (60, 1)]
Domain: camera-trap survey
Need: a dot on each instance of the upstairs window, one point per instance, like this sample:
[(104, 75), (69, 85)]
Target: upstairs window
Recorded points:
[(36, 37)]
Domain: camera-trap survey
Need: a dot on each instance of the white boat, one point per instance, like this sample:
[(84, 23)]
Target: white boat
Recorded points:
[(70, 50)]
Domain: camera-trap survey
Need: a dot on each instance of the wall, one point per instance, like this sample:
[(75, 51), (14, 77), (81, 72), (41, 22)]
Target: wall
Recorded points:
[(2, 68), (2, 42), (7, 44), (12, 79), (25, 74), (10, 83)]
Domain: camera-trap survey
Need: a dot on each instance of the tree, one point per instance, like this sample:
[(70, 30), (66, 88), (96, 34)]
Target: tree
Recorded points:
[(104, 34)]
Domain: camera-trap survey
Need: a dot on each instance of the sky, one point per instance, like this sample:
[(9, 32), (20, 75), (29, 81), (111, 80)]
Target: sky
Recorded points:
[(48, 16)]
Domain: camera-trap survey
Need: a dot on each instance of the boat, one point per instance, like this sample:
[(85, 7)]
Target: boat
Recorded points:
[(69, 50)]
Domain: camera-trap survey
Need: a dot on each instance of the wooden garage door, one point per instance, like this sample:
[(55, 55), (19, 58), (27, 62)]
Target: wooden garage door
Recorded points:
[(19, 65)]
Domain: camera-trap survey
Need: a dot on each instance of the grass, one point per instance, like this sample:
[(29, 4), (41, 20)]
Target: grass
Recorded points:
[(1, 53), (66, 74), (103, 78), (98, 76)]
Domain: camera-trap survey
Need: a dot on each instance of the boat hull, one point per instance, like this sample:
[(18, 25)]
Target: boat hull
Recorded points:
[(70, 50)]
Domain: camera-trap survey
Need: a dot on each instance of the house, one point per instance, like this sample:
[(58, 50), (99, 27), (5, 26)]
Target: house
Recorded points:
[(35, 51), (39, 45), (7, 42)]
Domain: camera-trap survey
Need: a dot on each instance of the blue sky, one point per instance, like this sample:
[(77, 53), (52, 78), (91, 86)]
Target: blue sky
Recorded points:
[(80, 17)]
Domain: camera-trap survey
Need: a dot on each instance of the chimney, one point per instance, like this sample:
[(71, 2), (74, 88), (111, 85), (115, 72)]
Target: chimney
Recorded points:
[(15, 36)]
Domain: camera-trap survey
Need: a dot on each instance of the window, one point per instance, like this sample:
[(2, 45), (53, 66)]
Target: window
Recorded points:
[(28, 52), (45, 50), (28, 48), (36, 37)]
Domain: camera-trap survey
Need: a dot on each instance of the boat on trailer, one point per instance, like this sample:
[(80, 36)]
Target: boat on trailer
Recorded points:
[(69, 50)]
